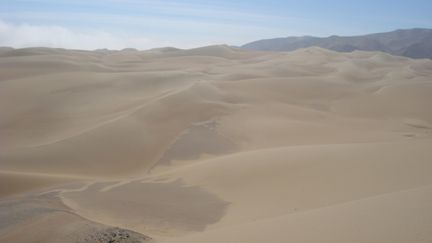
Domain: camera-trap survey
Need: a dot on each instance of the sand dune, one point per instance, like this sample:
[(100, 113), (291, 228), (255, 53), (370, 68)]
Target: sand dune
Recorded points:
[(397, 217), (216, 144)]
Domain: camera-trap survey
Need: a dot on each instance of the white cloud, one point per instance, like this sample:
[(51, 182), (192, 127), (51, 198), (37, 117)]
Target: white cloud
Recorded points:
[(141, 24), (25, 35)]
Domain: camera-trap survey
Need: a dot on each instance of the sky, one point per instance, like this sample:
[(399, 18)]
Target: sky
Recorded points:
[(145, 24)]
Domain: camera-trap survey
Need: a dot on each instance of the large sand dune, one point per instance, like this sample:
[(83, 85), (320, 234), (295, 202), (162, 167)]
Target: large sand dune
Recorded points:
[(215, 144)]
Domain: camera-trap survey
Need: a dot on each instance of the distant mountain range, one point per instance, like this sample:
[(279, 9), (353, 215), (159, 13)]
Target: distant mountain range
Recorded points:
[(414, 43)]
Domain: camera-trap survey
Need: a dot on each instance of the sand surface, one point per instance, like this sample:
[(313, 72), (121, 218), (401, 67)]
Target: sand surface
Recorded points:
[(214, 144)]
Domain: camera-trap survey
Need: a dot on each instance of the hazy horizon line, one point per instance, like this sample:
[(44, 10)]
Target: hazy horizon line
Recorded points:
[(16, 47)]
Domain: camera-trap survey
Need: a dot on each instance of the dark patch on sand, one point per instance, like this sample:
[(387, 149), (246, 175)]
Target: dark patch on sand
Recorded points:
[(114, 235), (44, 218), (199, 139), (170, 205), (417, 124), (16, 210)]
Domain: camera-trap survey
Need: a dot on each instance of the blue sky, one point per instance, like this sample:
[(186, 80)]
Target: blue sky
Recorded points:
[(143, 24)]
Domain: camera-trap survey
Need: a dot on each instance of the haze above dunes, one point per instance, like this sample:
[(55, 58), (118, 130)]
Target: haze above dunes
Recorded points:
[(215, 144)]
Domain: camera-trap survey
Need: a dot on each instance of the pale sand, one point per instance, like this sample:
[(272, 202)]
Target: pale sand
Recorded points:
[(217, 144)]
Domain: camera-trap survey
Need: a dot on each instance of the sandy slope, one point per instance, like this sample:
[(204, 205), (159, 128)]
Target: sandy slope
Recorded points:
[(13, 183), (219, 144), (397, 217)]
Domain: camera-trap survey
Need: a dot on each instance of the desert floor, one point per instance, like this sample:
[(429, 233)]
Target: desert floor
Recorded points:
[(214, 144)]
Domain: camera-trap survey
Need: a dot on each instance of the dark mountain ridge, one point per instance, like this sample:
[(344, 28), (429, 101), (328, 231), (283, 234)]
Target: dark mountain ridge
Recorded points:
[(414, 43)]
